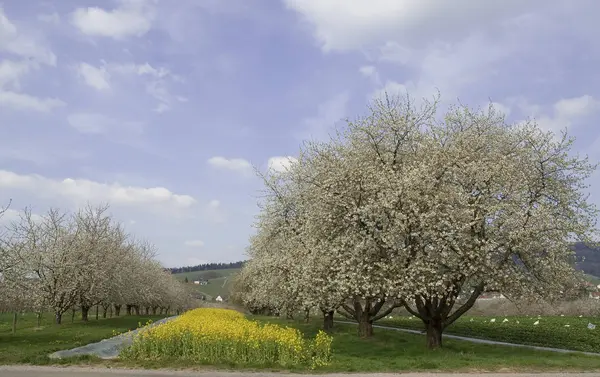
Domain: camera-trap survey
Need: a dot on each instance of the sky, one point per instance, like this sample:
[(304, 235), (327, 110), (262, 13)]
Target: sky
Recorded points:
[(163, 108)]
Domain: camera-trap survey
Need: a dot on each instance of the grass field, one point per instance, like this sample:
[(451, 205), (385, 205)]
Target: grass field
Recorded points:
[(390, 351), (31, 345), (387, 351), (556, 332)]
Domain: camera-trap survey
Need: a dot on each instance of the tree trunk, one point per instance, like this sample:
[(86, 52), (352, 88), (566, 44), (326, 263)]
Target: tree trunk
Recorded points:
[(84, 312), (105, 310), (58, 318), (39, 319), (154, 309), (14, 323), (434, 329), (136, 310), (117, 310), (128, 309), (96, 312), (328, 321), (365, 325)]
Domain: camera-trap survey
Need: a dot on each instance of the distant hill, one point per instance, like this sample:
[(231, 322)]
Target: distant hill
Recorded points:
[(588, 259), (218, 281)]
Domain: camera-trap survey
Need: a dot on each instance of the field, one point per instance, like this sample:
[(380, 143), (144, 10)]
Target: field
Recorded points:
[(552, 331), (219, 281), (391, 351), (387, 351), (31, 344)]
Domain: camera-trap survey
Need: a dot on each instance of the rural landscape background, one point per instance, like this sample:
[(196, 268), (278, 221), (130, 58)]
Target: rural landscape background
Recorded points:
[(314, 186)]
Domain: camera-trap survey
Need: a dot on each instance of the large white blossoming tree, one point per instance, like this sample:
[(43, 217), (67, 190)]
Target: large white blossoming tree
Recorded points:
[(407, 206)]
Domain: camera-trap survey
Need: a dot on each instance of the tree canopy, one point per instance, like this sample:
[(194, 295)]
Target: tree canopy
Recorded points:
[(409, 207)]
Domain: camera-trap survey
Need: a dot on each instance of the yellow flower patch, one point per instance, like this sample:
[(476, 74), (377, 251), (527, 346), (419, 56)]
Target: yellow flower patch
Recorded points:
[(221, 336)]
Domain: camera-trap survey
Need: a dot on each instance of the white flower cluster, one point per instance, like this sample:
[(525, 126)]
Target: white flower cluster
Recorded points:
[(408, 207), (62, 261)]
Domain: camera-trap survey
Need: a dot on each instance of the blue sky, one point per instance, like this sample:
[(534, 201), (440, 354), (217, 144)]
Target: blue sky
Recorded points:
[(162, 107)]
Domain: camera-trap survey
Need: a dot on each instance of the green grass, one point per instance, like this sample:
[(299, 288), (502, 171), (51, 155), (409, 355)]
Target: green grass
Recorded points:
[(387, 351), (392, 351), (32, 345), (550, 332)]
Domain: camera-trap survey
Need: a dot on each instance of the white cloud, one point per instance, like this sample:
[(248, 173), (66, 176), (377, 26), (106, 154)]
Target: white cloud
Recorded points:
[(194, 243), (93, 123), (328, 115), (30, 53), (214, 212), (393, 52), (12, 215), (349, 25), (238, 165), (84, 190), (392, 89), (96, 77), (566, 112), (280, 164), (130, 18), (12, 71), (144, 70), (15, 42), (19, 101), (51, 18), (156, 86), (502, 108), (370, 72), (576, 107)]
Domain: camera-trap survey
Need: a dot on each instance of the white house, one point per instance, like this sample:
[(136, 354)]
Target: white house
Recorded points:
[(219, 299), (197, 282)]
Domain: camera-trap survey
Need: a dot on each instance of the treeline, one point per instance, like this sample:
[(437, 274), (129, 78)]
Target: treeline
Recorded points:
[(63, 261), (207, 267)]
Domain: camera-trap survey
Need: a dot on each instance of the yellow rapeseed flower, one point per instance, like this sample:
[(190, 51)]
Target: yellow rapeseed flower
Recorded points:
[(218, 336)]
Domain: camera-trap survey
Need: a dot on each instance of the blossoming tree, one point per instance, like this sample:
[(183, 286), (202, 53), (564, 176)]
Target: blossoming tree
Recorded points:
[(411, 208)]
